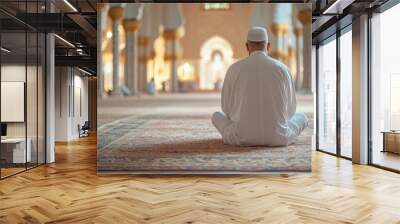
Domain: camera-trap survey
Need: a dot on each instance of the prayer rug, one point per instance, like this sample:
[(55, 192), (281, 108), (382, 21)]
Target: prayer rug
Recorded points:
[(164, 142)]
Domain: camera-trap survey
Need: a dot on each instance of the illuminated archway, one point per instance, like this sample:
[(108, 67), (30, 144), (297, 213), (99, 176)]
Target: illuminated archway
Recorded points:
[(216, 56)]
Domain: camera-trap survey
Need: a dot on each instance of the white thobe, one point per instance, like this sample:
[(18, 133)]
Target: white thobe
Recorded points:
[(259, 104)]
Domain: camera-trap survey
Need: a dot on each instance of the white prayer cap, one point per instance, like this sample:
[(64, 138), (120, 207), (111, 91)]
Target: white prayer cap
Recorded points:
[(257, 34)]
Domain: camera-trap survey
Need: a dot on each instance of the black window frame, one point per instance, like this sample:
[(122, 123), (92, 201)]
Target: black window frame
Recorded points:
[(27, 29), (341, 27), (381, 9)]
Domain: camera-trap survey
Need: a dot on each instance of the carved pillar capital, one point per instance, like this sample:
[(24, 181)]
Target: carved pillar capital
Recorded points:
[(131, 25), (173, 34), (305, 16), (172, 56), (279, 29), (101, 6), (116, 13), (298, 32)]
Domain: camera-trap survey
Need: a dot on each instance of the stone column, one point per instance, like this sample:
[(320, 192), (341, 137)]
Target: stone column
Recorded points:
[(259, 15), (280, 51), (132, 23), (298, 41), (304, 16), (291, 59), (116, 13), (50, 92), (131, 27), (101, 20), (154, 33), (143, 44), (172, 53), (173, 30), (281, 21), (298, 32)]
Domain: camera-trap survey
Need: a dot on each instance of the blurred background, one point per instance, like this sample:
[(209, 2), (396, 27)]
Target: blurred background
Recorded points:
[(180, 47)]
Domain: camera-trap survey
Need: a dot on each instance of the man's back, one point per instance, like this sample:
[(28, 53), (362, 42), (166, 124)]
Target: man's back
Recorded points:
[(259, 98)]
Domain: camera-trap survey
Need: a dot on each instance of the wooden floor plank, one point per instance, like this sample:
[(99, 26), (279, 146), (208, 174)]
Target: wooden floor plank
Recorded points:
[(70, 191)]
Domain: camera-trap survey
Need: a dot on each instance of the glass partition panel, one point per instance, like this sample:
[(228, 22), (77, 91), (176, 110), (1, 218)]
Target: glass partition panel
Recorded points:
[(32, 98), (15, 150), (385, 87), (327, 96), (41, 99), (22, 88), (346, 94)]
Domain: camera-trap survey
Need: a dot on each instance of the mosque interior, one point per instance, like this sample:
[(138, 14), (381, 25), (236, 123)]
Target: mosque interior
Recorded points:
[(188, 47)]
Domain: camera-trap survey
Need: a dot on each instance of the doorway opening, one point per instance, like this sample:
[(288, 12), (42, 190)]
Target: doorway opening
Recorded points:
[(216, 56)]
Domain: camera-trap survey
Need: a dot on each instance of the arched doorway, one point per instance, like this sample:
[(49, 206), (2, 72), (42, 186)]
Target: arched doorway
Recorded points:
[(216, 56)]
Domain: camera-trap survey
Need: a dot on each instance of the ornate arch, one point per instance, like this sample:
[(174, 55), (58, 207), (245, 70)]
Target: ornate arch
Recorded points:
[(216, 43), (212, 45)]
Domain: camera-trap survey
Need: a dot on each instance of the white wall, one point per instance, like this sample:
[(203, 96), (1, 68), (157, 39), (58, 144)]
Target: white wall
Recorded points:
[(62, 82), (71, 94), (12, 73), (34, 125)]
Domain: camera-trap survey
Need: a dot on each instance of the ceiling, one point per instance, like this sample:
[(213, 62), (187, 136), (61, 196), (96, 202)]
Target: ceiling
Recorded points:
[(74, 21), (328, 15)]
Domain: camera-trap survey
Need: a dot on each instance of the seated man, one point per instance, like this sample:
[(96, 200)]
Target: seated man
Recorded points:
[(258, 99)]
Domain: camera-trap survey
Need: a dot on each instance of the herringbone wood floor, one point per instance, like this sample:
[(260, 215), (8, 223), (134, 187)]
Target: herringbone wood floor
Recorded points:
[(69, 191)]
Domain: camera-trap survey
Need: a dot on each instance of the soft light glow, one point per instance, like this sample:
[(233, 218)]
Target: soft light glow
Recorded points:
[(334, 5), (70, 5), (5, 50), (187, 68), (108, 75), (186, 72), (109, 34), (108, 68), (160, 66), (65, 41), (78, 80), (84, 71), (216, 6), (216, 56), (217, 61)]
